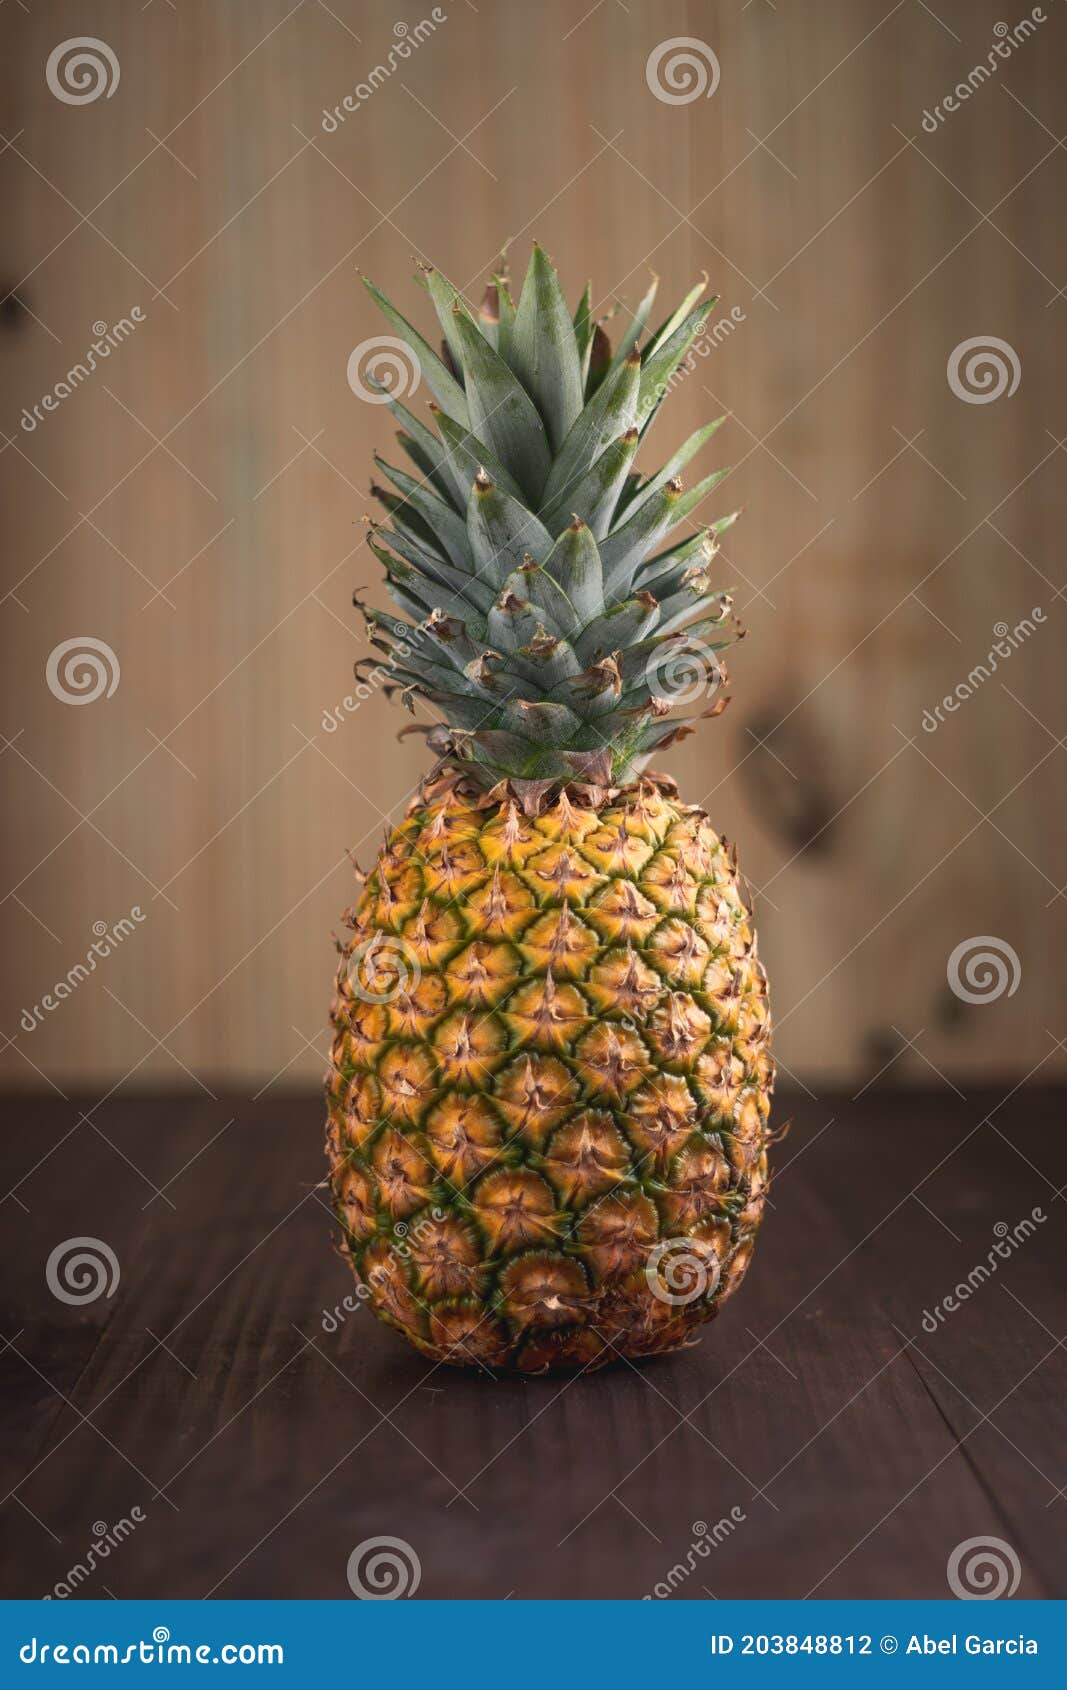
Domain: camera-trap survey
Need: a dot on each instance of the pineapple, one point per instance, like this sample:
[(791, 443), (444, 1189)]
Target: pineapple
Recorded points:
[(550, 1078)]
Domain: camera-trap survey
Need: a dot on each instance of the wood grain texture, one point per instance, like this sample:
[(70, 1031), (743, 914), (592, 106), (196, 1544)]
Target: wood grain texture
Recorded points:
[(263, 1442), (196, 503)]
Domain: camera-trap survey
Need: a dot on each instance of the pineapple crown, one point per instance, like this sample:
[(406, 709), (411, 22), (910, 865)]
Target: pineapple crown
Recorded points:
[(544, 626)]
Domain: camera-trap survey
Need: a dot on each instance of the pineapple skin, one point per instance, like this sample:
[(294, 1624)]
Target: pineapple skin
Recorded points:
[(550, 1079)]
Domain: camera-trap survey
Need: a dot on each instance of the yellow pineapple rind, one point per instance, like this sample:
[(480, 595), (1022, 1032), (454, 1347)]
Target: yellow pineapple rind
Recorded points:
[(550, 1062)]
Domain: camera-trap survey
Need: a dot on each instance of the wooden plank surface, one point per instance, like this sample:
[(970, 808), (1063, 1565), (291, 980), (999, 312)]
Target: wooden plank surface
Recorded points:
[(856, 1448)]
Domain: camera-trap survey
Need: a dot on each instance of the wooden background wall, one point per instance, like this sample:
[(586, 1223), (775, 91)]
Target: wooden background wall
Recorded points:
[(196, 503)]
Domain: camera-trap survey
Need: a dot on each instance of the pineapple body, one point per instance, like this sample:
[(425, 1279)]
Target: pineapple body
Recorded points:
[(550, 1079)]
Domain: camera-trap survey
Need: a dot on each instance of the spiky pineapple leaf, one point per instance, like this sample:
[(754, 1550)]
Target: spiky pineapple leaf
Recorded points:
[(623, 625), (660, 574), (672, 468), (623, 551), (447, 301), (503, 532), (691, 597), (678, 316), (545, 596), (598, 361), (440, 575), (513, 623), (489, 316), (547, 641), (583, 324), (637, 322), (505, 316), (540, 721), (660, 365), (428, 444), (424, 460), (445, 524), (445, 387), (609, 414), (501, 412), (544, 350), (595, 496), (466, 455), (574, 562), (695, 496)]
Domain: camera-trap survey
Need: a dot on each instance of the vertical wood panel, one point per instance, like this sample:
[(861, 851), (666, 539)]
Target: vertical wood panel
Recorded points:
[(243, 821)]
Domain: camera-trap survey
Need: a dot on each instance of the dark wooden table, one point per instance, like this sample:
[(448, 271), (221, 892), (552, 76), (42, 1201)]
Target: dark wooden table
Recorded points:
[(848, 1449)]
